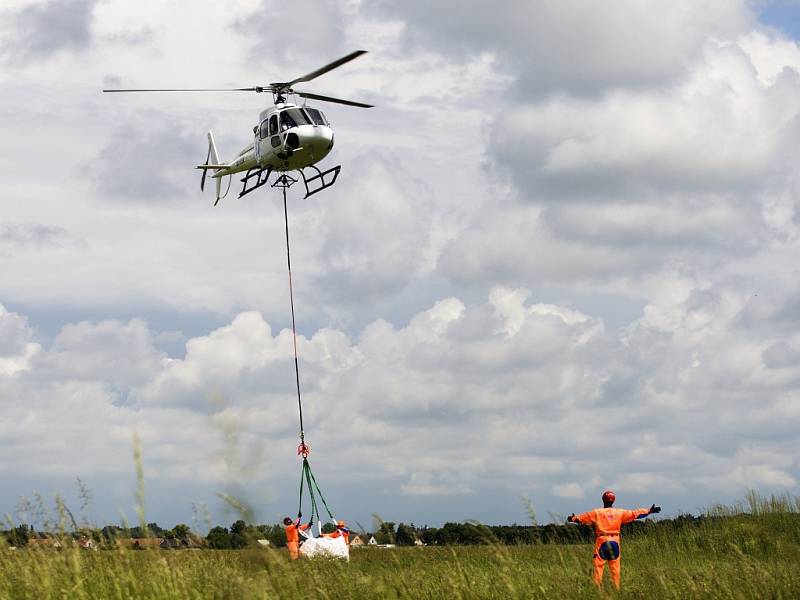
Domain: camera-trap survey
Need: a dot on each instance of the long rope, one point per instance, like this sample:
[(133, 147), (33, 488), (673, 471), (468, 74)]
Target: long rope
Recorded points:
[(294, 328), (307, 478)]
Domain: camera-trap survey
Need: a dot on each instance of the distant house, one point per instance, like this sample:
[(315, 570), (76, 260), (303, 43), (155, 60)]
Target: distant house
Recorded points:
[(418, 542), (372, 541), (264, 543), (356, 540), (86, 543)]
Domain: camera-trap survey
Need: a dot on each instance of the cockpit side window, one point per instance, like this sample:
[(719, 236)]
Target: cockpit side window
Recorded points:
[(273, 125), (316, 116), (263, 133)]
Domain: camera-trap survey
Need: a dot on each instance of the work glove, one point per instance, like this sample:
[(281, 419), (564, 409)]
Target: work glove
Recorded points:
[(655, 509), (571, 518)]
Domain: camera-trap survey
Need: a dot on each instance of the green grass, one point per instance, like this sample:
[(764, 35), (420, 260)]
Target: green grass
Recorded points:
[(735, 556)]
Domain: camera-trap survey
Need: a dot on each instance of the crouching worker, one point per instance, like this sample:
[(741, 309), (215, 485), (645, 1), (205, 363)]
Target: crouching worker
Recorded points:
[(341, 531), (607, 522), (293, 529)]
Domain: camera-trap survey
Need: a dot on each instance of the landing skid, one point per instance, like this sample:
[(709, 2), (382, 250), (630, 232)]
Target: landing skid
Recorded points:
[(318, 182), (257, 177), (254, 178), (321, 180)]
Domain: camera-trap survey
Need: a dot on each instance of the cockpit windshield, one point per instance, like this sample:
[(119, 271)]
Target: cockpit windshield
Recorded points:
[(293, 117), (316, 116)]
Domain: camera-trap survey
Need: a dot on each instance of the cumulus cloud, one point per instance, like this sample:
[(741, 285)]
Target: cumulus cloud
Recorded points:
[(373, 240), (515, 245), (42, 29), (686, 137), (532, 172), (313, 30), (568, 490), (680, 403), (88, 351), (17, 345), (695, 172), (574, 46), (145, 161), (31, 234)]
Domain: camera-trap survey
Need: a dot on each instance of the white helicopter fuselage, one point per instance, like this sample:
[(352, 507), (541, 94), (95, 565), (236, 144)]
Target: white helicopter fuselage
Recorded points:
[(287, 138)]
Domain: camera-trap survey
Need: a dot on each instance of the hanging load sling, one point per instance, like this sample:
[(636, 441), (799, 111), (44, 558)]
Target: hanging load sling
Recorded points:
[(312, 546), (307, 478)]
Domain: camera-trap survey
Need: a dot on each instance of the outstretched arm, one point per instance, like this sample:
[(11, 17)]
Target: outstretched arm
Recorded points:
[(585, 518), (653, 509), (639, 513)]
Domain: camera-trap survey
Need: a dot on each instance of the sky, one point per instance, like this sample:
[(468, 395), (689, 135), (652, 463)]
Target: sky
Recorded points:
[(562, 256)]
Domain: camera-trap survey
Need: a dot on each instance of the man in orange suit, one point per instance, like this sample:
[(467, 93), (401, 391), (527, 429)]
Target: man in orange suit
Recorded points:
[(293, 536), (341, 531), (607, 522)]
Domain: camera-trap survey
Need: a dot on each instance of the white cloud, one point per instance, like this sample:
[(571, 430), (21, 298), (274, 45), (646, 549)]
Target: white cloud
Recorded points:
[(568, 490), (573, 45), (42, 29), (435, 407), (561, 255), (17, 347), (685, 136)]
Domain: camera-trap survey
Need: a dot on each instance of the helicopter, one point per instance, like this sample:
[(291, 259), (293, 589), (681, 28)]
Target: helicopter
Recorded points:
[(288, 137)]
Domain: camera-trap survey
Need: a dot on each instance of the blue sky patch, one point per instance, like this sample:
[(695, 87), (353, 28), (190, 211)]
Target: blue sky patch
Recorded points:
[(783, 15)]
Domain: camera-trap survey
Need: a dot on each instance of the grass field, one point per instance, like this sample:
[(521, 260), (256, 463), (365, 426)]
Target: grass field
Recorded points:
[(738, 556)]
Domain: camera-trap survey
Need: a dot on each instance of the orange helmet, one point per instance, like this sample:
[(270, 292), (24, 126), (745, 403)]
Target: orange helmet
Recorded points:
[(341, 523), (609, 497)]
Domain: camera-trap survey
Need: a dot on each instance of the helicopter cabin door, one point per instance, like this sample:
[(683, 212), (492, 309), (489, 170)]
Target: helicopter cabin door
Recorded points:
[(267, 138)]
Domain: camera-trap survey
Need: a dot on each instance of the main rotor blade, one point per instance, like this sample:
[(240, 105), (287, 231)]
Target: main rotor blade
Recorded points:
[(335, 100), (326, 68), (252, 89)]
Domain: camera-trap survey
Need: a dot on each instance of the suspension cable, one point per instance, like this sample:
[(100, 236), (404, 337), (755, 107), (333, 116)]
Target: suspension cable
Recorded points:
[(307, 478), (302, 449)]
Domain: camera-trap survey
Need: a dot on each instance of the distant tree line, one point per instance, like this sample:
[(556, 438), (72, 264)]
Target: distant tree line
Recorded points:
[(241, 535), (470, 533)]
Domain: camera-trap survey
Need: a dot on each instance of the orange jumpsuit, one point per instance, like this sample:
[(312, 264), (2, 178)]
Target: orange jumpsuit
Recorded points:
[(607, 523), (345, 533), (293, 539)]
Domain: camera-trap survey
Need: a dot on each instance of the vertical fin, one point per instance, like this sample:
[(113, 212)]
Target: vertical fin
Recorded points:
[(212, 149), (213, 156)]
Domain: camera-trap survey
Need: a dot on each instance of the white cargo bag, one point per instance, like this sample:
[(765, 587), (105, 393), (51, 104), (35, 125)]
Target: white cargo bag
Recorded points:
[(325, 546)]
